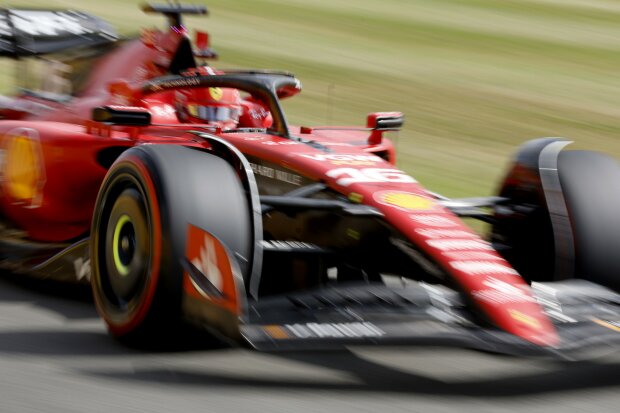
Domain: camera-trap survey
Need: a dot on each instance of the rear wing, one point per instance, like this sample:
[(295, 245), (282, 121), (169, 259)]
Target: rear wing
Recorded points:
[(174, 11)]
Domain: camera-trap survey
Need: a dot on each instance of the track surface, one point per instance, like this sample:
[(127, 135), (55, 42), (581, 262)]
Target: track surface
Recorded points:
[(55, 356)]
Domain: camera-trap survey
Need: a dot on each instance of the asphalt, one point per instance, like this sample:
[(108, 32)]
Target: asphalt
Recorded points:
[(55, 356)]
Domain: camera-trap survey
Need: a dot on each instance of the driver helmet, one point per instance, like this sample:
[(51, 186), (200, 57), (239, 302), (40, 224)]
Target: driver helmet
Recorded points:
[(214, 105)]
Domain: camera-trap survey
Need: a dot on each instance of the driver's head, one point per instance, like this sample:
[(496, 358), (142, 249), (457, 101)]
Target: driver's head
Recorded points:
[(215, 106)]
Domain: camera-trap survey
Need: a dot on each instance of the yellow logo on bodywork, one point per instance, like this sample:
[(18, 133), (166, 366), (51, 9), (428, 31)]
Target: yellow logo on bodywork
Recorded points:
[(192, 109), (276, 331), (356, 198), (612, 325), (524, 318), (216, 93), (405, 200), (22, 170)]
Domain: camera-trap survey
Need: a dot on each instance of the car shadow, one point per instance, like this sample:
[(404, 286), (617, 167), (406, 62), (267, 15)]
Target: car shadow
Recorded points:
[(82, 332), (74, 304), (71, 301), (369, 376), (60, 343)]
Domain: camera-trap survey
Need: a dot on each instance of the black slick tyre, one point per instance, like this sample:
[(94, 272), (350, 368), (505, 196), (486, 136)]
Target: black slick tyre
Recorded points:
[(591, 187), (148, 199)]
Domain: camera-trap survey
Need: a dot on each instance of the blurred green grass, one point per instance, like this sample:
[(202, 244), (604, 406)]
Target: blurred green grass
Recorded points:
[(475, 78)]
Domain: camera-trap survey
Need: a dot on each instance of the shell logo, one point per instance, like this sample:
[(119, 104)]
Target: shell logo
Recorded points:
[(405, 200), (525, 319), (23, 174), (216, 93)]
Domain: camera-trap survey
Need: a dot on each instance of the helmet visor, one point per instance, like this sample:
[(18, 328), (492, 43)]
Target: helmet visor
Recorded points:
[(213, 113)]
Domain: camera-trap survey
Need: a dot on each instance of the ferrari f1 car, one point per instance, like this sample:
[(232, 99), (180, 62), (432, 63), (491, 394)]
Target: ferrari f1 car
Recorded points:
[(181, 193)]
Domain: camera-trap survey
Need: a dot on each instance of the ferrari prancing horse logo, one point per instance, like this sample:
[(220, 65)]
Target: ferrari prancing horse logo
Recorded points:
[(216, 93)]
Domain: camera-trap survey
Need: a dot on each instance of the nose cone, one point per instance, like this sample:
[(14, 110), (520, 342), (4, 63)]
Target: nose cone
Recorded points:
[(525, 319), (533, 326)]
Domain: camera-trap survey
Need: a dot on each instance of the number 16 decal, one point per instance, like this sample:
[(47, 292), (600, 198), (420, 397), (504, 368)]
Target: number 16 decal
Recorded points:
[(348, 176)]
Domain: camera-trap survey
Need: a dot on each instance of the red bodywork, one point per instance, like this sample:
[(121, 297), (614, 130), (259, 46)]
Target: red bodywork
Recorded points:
[(72, 155)]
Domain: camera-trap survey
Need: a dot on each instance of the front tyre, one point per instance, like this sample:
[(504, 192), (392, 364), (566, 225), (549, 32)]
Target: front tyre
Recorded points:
[(560, 220), (591, 187), (126, 252), (150, 198)]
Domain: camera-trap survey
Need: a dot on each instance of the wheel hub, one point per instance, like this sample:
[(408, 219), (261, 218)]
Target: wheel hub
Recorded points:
[(123, 244), (127, 247)]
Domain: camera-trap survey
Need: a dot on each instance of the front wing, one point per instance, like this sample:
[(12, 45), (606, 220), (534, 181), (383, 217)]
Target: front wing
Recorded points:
[(586, 316)]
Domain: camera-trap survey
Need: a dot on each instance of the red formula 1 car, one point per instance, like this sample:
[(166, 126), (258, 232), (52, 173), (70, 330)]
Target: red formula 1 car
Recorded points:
[(183, 194)]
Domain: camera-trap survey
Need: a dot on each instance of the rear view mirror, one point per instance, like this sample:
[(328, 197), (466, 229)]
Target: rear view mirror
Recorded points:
[(122, 115), (379, 122)]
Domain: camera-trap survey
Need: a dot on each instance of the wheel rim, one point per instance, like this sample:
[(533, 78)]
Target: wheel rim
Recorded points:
[(123, 244), (127, 250)]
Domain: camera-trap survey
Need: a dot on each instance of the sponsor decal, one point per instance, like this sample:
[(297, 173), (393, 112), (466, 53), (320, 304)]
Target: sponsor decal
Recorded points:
[(163, 111), (288, 245), (348, 176), (356, 198), (612, 325), (323, 330), (208, 270), (405, 201), (22, 170), (258, 113), (344, 159), (501, 292), (82, 268), (277, 174), (176, 83), (458, 244), (124, 108), (351, 233), (471, 255), (437, 221), (278, 143), (206, 262), (276, 331), (482, 267), (443, 233), (525, 319)]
